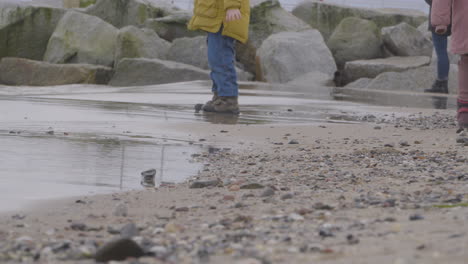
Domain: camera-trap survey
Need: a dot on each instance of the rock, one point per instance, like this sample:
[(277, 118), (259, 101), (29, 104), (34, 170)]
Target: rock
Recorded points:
[(293, 142), (412, 80), (287, 55), (266, 18), (78, 226), (80, 38), (287, 196), (360, 83), (129, 230), (123, 13), (355, 39), (416, 217), (121, 209), (133, 42), (25, 30), (326, 17), (16, 71), (204, 184), (251, 186), (192, 51), (315, 77), (173, 26), (295, 217), (141, 71), (423, 28), (268, 192), (405, 40), (352, 240), (355, 70), (119, 249)]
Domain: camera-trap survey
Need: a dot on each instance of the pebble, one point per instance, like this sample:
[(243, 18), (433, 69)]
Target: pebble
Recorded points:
[(287, 196), (129, 230), (251, 186), (121, 210), (416, 217), (205, 184), (268, 192), (119, 249)]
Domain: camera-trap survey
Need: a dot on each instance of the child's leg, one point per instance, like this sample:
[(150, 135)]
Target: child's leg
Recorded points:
[(463, 91), (443, 63), (221, 56)]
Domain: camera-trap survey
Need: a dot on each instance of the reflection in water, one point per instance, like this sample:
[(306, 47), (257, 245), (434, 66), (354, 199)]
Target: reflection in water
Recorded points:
[(34, 168), (220, 118), (439, 102)]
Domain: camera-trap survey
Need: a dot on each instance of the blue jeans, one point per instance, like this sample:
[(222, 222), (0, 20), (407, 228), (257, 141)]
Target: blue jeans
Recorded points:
[(221, 57), (443, 63)]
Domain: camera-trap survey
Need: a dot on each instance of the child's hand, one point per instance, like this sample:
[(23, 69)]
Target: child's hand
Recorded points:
[(233, 14), (441, 30)]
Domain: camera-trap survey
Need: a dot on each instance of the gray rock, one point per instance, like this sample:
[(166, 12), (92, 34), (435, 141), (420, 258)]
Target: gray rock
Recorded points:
[(121, 13), (192, 51), (121, 210), (129, 230), (372, 68), (268, 192), (25, 30), (135, 72), (405, 40), (119, 249), (360, 83), (133, 42), (326, 17), (173, 26), (287, 55), (251, 186), (412, 80), (80, 38), (17, 71), (204, 184), (423, 28), (266, 18), (355, 39), (313, 78)]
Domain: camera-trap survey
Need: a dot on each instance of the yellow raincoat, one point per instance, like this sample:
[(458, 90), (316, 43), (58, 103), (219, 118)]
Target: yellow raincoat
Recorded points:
[(210, 15)]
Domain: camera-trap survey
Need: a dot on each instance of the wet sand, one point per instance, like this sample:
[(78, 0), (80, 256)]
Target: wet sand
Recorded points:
[(388, 186)]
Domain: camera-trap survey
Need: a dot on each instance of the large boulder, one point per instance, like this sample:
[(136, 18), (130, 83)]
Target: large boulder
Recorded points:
[(266, 18), (18, 71), (412, 80), (287, 55), (137, 72), (121, 13), (192, 51), (371, 68), (405, 40), (355, 39), (133, 42), (325, 17), (25, 30), (80, 38), (173, 26)]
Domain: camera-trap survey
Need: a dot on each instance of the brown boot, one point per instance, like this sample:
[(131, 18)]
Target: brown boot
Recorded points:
[(209, 105), (224, 104)]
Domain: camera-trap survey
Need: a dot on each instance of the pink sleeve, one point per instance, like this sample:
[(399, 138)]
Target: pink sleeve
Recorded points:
[(441, 12)]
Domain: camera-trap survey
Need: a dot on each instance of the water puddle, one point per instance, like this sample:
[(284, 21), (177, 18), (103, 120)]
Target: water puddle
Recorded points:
[(36, 167)]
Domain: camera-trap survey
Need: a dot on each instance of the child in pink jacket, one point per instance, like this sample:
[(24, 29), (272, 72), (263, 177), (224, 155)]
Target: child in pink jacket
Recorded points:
[(445, 12)]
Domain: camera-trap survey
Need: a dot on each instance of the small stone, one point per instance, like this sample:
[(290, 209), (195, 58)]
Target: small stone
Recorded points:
[(129, 230), (352, 240), (198, 107), (251, 186), (229, 198), (182, 209), (404, 143), (78, 226), (295, 217), (287, 196), (172, 227), (321, 206), (268, 192), (121, 210), (205, 184), (377, 127), (416, 217), (389, 145), (119, 249), (293, 142), (234, 188)]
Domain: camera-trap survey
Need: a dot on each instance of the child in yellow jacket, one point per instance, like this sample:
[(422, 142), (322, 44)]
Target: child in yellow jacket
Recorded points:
[(225, 21)]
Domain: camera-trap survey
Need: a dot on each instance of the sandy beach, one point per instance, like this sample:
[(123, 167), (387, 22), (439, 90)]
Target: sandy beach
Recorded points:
[(390, 190)]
